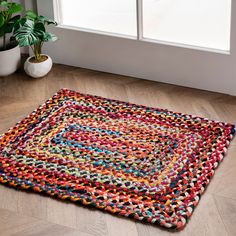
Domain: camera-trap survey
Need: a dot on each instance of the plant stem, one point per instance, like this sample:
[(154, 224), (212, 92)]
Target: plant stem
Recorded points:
[(37, 51), (4, 42)]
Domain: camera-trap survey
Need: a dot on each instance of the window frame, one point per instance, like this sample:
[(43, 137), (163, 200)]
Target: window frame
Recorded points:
[(53, 11)]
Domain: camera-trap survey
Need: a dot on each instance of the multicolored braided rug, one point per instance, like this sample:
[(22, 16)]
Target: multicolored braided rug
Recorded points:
[(140, 162)]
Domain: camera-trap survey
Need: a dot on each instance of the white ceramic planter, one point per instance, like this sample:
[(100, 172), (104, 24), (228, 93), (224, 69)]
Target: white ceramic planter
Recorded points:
[(9, 61), (38, 70)]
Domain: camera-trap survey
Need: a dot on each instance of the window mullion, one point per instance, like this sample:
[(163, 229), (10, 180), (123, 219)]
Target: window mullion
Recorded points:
[(139, 8)]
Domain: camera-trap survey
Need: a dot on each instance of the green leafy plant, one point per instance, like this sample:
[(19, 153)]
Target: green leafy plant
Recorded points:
[(31, 31), (8, 19)]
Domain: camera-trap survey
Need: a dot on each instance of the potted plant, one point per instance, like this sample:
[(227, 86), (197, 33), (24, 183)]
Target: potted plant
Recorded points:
[(9, 50), (32, 32)]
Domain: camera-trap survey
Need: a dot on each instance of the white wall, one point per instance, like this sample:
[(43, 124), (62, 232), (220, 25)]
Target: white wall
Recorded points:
[(30, 4)]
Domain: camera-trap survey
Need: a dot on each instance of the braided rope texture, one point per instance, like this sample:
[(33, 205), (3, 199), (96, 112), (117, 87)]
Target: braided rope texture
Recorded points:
[(140, 162)]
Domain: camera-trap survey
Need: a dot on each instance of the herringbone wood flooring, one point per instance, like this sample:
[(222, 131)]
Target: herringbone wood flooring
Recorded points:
[(25, 214)]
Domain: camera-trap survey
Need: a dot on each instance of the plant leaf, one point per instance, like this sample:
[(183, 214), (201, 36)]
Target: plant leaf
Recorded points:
[(30, 31), (4, 4), (15, 18), (48, 37), (12, 23), (46, 20), (19, 24), (39, 26), (14, 8), (26, 34), (2, 20), (30, 15)]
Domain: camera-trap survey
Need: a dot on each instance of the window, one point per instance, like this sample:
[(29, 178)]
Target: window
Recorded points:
[(201, 23), (204, 23), (112, 16)]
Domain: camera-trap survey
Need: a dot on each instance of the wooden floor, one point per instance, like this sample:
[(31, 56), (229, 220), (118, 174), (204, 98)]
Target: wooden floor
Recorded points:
[(24, 214)]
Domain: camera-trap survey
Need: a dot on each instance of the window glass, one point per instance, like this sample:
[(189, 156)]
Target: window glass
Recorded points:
[(204, 23), (112, 16)]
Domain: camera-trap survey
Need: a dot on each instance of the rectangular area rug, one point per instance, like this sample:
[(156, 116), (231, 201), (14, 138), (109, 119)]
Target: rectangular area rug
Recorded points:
[(139, 162)]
